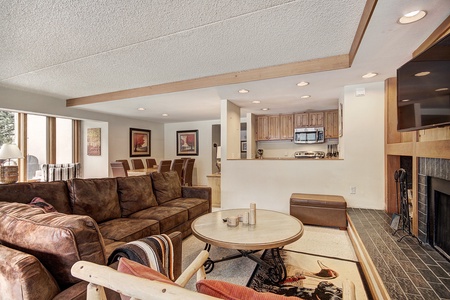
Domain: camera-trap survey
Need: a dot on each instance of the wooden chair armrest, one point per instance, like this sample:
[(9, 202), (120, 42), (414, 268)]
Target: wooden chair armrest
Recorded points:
[(140, 288), (195, 267), (348, 290)]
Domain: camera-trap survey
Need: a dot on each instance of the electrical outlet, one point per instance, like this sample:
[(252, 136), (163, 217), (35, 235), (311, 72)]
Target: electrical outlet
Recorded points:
[(353, 190)]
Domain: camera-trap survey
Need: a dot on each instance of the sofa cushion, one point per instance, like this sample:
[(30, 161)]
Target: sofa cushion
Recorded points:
[(196, 207), (127, 230), (57, 240), (166, 185), (96, 198), (135, 194), (54, 193), (22, 276), (168, 217)]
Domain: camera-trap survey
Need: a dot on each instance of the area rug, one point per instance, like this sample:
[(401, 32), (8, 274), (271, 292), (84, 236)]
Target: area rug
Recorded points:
[(310, 276), (327, 243)]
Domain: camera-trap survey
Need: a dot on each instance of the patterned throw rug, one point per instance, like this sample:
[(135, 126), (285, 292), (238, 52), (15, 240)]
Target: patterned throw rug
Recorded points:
[(310, 276)]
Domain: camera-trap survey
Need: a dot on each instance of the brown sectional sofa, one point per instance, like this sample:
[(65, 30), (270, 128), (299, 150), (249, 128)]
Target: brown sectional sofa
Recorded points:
[(93, 217)]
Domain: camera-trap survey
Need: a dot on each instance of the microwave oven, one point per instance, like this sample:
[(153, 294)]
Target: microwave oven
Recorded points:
[(309, 135)]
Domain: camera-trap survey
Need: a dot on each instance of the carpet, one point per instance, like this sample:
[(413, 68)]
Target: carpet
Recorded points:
[(327, 243)]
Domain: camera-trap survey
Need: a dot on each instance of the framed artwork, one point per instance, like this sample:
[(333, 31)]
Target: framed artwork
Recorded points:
[(140, 142), (187, 142), (244, 146), (94, 139)]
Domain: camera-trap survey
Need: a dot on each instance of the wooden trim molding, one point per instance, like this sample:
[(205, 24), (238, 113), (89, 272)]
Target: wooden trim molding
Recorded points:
[(363, 23), (22, 143), (51, 127), (76, 137), (302, 67), (439, 33)]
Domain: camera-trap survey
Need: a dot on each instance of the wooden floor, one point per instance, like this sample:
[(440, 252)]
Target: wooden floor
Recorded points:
[(407, 270)]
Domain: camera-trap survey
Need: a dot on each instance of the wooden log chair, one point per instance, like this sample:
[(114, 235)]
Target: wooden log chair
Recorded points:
[(141, 282)]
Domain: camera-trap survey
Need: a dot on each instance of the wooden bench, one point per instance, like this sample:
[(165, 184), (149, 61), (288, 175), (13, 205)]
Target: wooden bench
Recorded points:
[(322, 210)]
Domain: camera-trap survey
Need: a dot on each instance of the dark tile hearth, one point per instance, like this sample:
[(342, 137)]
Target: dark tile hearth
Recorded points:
[(408, 270)]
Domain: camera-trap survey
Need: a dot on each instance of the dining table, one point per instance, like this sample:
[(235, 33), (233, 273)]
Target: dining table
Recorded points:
[(139, 172)]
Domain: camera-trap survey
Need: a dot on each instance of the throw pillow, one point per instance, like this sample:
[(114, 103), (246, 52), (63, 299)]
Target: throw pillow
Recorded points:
[(41, 203), (230, 291), (128, 266), (167, 186)]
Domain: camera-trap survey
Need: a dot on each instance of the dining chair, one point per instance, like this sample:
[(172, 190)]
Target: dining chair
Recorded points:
[(150, 162), (188, 169), (126, 165), (137, 163), (118, 169), (177, 166), (164, 166)]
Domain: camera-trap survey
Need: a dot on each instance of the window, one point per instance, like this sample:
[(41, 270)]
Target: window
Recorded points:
[(36, 145), (64, 141)]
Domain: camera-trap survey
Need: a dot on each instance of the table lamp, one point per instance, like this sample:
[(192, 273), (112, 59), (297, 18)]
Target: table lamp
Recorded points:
[(9, 171)]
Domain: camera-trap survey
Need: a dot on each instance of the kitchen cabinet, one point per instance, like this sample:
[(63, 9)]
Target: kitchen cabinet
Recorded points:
[(331, 124), (301, 120), (287, 127), (268, 128), (309, 119)]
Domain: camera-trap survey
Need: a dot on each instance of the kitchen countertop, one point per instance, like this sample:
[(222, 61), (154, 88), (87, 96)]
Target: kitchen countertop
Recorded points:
[(287, 158)]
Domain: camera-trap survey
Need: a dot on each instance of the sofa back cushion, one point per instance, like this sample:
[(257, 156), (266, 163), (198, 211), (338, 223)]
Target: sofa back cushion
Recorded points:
[(135, 194), (96, 198), (54, 193), (167, 186), (57, 240)]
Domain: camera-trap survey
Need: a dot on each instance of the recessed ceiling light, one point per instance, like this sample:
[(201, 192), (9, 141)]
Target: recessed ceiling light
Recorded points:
[(141, 108), (406, 100), (256, 101), (369, 75), (243, 91), (265, 109), (441, 89), (165, 115), (305, 96), (420, 74), (412, 17), (303, 83)]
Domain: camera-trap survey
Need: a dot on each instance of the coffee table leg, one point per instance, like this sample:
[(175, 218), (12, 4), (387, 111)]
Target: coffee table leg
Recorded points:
[(277, 270)]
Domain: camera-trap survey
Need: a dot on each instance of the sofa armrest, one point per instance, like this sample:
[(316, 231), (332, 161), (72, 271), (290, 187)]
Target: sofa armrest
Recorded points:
[(22, 276), (202, 192)]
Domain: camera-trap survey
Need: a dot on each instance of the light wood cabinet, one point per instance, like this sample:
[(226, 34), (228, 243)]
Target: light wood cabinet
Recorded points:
[(331, 124), (274, 127), (309, 119), (316, 119), (263, 128), (214, 183), (287, 127)]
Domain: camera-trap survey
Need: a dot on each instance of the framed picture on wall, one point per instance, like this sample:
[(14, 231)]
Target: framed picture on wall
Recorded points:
[(94, 139), (140, 142), (187, 142)]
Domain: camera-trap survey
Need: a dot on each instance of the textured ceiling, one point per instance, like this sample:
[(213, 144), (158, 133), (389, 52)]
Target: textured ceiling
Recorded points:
[(71, 49)]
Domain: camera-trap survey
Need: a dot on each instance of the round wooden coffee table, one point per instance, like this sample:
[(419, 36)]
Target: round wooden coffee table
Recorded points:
[(272, 230)]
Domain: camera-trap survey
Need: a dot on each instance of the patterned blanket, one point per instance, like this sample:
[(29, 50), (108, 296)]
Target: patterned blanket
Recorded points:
[(155, 251)]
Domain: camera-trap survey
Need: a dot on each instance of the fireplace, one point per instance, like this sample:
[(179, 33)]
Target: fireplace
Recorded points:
[(439, 215), (434, 203)]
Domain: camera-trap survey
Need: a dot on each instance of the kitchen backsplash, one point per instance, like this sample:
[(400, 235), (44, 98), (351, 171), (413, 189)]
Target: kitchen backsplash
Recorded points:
[(285, 149)]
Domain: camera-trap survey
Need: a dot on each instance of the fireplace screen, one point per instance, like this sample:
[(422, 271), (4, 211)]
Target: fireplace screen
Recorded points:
[(439, 216)]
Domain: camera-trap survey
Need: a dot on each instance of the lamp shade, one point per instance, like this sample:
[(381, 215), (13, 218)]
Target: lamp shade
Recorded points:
[(10, 151)]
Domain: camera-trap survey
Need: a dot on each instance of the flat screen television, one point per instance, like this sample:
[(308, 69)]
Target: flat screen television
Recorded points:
[(423, 89)]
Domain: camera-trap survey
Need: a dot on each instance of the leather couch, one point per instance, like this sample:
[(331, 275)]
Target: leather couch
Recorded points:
[(94, 216)]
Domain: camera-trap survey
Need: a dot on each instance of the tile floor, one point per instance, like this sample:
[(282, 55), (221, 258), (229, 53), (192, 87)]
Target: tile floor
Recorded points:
[(408, 270)]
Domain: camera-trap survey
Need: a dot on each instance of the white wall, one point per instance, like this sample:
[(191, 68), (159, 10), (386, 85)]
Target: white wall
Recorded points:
[(117, 127), (202, 166), (270, 183), (95, 166)]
